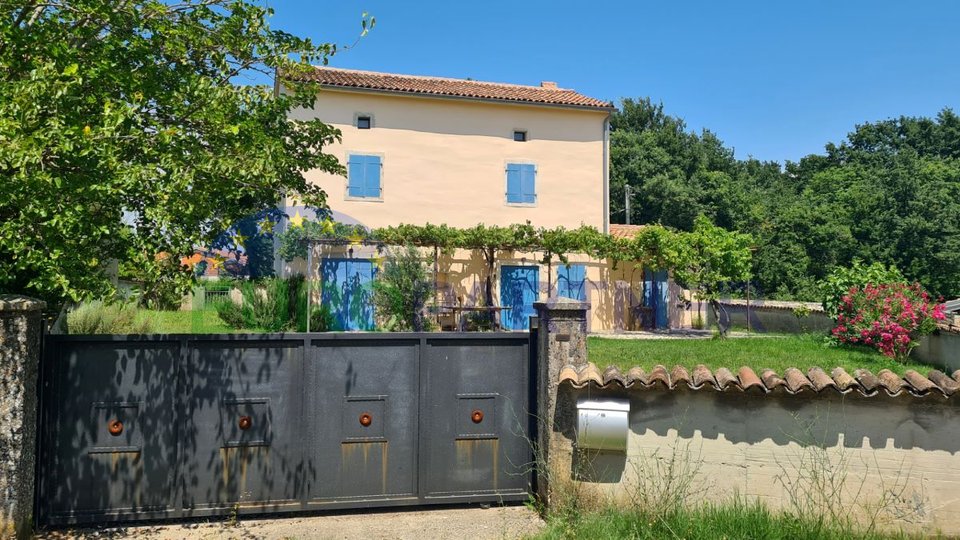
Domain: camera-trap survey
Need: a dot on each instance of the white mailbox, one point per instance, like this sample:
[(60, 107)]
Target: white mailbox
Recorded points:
[(603, 424)]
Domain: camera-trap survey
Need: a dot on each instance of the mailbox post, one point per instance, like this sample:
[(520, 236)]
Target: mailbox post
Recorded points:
[(562, 341)]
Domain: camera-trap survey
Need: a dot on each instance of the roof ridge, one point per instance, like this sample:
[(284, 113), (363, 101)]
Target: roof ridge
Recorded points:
[(793, 381), (439, 78)]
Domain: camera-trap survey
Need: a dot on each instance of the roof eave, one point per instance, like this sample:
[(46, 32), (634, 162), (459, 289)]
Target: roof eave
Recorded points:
[(355, 89)]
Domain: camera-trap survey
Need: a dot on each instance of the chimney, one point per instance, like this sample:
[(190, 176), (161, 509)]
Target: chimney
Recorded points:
[(548, 84)]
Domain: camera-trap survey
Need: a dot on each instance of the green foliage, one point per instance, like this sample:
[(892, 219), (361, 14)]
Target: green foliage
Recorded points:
[(295, 240), (710, 256), (858, 275), (401, 291), (271, 305), (125, 136), (101, 317), (889, 193), (230, 313), (733, 519)]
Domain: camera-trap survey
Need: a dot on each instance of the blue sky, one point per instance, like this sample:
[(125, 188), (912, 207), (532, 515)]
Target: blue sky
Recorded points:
[(775, 80)]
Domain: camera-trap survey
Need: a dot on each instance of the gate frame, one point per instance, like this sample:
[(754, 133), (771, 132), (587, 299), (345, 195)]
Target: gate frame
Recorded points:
[(47, 415)]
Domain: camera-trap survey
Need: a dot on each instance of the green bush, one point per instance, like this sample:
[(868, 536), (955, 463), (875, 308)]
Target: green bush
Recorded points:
[(401, 291), (230, 313), (273, 305), (838, 284), (101, 317)]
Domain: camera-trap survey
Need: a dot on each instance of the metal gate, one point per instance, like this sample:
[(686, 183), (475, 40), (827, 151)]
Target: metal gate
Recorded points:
[(148, 427)]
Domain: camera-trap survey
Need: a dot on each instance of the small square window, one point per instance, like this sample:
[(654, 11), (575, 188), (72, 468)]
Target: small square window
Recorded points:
[(363, 122), (520, 136)]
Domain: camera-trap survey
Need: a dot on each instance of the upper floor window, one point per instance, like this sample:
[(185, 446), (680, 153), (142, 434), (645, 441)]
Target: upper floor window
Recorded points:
[(364, 122), (521, 183), (520, 136), (363, 176)]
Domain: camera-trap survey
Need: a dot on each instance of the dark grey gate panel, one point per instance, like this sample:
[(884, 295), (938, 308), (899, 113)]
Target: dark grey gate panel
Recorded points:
[(362, 420), (145, 427), (242, 445), (110, 440), (474, 419)]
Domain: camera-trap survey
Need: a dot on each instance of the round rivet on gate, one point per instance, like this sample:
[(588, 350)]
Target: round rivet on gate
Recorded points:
[(476, 416), (245, 422), (366, 419), (115, 427)]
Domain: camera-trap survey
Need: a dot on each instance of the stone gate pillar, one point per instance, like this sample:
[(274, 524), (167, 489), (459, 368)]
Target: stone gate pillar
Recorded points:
[(562, 338), (19, 363)]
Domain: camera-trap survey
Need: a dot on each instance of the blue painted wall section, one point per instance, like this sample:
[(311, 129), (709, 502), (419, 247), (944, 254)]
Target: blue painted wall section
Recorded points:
[(348, 292), (571, 281), (655, 295), (519, 289)]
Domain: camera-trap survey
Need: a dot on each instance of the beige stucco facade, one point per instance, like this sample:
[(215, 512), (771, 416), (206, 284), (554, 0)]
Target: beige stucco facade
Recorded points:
[(611, 291), (444, 159)]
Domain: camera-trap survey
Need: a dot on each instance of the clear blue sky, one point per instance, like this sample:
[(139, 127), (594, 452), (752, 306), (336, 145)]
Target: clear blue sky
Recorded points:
[(775, 80)]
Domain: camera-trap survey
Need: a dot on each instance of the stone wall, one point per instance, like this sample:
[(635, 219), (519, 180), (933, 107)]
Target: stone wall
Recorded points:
[(881, 449), (19, 361)]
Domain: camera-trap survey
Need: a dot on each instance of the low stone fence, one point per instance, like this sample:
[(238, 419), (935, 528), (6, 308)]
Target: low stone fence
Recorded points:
[(878, 448), (775, 316), (940, 349)]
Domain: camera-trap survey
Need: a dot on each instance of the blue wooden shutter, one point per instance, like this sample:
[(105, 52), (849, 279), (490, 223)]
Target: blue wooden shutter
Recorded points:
[(372, 177), (514, 192), (528, 187), (355, 176), (571, 281)]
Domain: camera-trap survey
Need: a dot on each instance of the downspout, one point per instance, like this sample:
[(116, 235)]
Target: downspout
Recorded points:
[(606, 174)]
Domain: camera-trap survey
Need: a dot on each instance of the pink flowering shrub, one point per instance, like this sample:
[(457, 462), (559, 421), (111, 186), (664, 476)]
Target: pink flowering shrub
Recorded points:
[(889, 317)]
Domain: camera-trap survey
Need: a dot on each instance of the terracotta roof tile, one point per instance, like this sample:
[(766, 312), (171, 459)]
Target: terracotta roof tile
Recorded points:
[(869, 381), (843, 380), (771, 380), (918, 382), (678, 376), (619, 230), (749, 379), (890, 381), (445, 87), (725, 379), (702, 376), (658, 374), (793, 380), (946, 384), (796, 381), (820, 379), (612, 374)]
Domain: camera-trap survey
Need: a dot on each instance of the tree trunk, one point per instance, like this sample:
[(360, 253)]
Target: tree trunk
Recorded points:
[(718, 314)]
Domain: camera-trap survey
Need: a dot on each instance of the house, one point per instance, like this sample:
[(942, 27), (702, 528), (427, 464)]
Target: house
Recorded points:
[(461, 152)]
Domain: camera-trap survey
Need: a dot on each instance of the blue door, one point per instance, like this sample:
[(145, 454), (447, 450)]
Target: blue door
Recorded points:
[(655, 295), (348, 291), (519, 289), (571, 281)]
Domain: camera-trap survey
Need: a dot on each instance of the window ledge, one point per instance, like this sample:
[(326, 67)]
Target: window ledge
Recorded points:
[(363, 199)]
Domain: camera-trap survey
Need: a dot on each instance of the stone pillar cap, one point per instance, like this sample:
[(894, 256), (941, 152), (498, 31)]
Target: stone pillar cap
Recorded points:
[(561, 303), (16, 302)]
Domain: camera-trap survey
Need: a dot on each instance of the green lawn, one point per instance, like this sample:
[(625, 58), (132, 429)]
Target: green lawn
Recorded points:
[(189, 322), (776, 352)]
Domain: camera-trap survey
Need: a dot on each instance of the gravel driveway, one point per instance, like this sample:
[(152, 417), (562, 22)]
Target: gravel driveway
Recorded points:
[(471, 523)]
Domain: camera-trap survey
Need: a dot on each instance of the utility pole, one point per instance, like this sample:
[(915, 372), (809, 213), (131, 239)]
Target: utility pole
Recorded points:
[(627, 192)]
